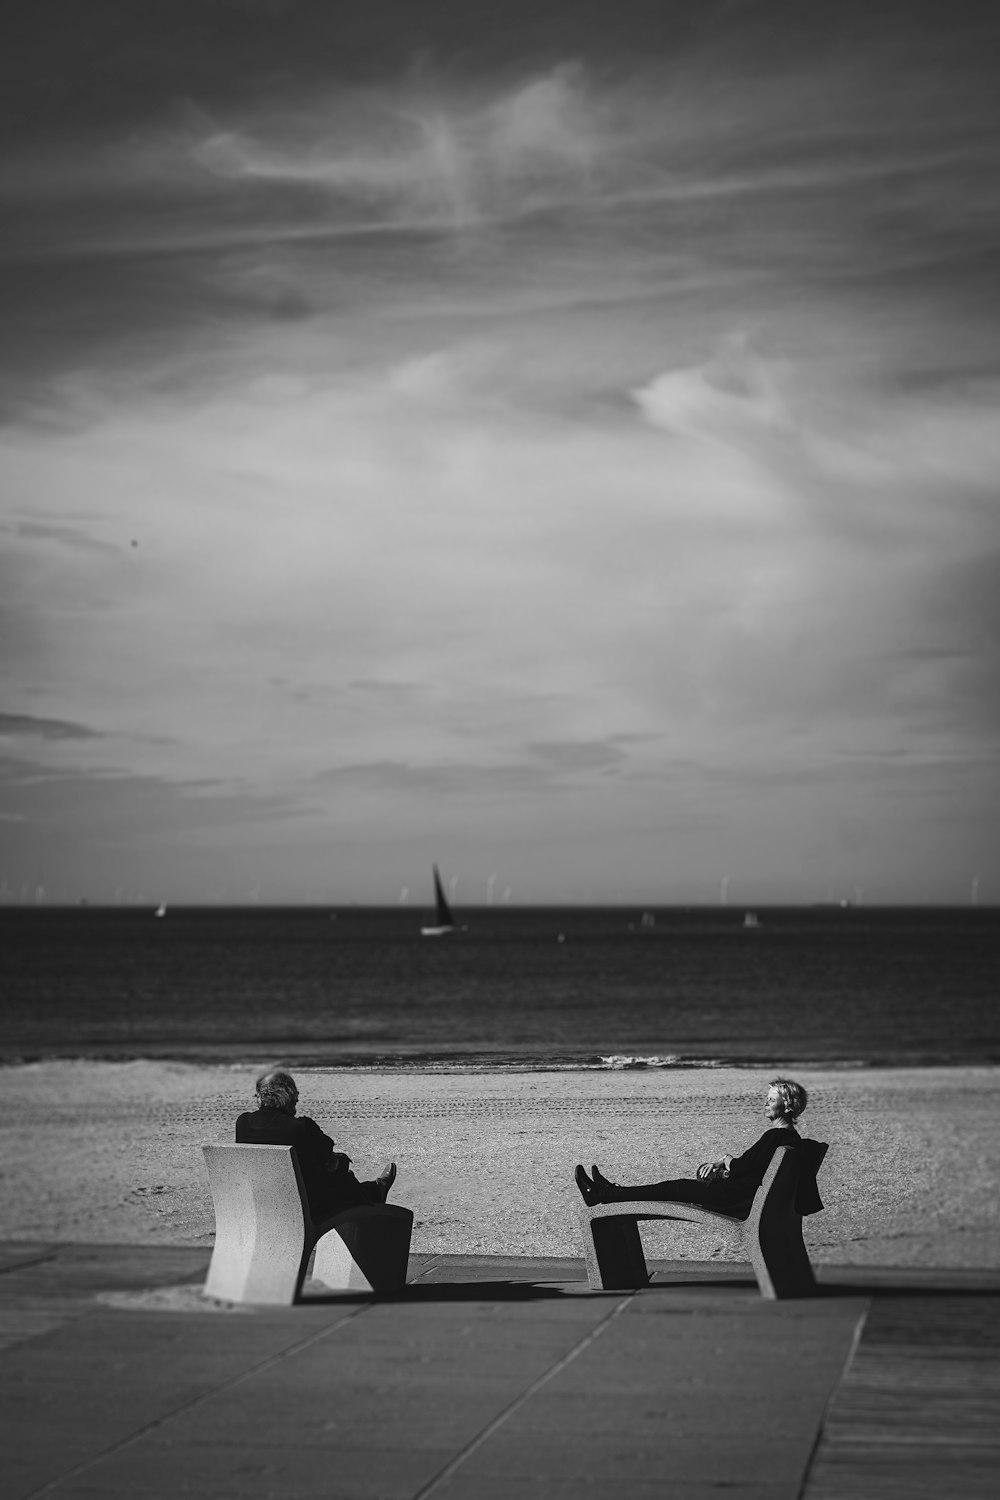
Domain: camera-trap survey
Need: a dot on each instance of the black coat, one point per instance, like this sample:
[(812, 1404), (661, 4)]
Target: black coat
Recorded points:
[(328, 1192), (735, 1194)]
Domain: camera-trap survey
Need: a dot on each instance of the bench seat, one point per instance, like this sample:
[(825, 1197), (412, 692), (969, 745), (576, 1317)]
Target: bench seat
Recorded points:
[(770, 1237)]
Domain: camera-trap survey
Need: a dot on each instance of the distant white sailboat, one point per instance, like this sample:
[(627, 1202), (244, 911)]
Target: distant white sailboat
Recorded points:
[(161, 910), (443, 922), (751, 919)]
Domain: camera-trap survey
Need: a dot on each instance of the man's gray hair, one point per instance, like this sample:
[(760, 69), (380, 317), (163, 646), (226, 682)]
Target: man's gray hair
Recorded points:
[(276, 1090), (792, 1095)]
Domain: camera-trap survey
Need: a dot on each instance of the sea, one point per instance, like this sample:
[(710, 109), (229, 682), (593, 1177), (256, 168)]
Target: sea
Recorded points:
[(511, 988)]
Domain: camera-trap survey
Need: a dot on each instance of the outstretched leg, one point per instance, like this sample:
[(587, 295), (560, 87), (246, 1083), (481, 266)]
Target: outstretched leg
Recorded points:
[(599, 1189)]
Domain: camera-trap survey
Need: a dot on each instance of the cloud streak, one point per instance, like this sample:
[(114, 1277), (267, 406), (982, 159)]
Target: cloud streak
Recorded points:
[(25, 725)]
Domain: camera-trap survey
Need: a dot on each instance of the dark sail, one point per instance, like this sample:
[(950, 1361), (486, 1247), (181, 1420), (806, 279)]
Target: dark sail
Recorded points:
[(443, 916)]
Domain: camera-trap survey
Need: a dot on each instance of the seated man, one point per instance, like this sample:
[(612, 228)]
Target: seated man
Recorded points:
[(330, 1184), (728, 1185)]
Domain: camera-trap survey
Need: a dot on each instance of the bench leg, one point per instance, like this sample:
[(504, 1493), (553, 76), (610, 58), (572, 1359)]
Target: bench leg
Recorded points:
[(780, 1260), (257, 1263), (615, 1259), (369, 1253)]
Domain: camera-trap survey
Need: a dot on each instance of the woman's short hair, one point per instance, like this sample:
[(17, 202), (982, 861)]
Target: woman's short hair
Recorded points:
[(792, 1095), (276, 1090)]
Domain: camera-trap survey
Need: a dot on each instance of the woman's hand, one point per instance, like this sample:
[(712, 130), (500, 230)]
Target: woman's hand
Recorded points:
[(710, 1171), (337, 1159)]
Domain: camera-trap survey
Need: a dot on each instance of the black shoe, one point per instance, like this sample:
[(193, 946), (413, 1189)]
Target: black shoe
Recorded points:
[(588, 1190), (386, 1178), (601, 1184)]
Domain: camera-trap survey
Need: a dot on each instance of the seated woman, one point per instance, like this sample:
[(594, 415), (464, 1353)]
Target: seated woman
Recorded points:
[(330, 1184), (728, 1185)]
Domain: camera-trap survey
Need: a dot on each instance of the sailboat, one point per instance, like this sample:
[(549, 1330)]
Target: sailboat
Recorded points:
[(443, 920)]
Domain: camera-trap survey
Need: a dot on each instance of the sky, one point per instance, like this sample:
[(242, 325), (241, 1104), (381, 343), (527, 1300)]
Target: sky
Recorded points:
[(560, 441)]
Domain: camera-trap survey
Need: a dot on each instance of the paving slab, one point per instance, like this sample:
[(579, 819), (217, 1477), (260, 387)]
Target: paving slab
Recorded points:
[(720, 1391), (487, 1376), (917, 1416), (45, 1285), (98, 1380)]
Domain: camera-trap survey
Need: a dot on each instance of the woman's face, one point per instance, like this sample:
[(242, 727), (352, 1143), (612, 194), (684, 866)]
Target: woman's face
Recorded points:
[(774, 1109)]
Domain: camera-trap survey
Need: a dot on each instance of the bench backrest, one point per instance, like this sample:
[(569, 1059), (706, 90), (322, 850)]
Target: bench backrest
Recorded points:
[(252, 1181), (815, 1151), (790, 1180), (807, 1198)]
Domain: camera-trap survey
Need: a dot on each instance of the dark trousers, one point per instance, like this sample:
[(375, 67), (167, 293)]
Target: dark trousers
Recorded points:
[(676, 1190), (724, 1196), (343, 1190)]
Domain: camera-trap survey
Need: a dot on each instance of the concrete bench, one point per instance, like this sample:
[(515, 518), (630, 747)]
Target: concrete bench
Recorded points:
[(770, 1238), (265, 1234)]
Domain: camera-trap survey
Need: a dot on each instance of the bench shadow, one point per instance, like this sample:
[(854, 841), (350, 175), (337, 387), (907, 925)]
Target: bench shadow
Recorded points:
[(873, 1287), (446, 1291), (703, 1283), (509, 1291), (882, 1290)]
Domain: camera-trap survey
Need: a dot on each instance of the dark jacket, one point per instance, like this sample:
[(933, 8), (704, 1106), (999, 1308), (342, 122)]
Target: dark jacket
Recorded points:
[(327, 1191), (735, 1194)]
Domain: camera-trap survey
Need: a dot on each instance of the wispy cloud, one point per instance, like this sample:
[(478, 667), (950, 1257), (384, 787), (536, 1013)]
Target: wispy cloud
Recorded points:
[(434, 530), (538, 768), (620, 151), (26, 725), (430, 162)]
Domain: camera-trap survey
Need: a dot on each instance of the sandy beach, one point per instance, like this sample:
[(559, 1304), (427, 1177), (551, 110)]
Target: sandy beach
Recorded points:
[(110, 1152)]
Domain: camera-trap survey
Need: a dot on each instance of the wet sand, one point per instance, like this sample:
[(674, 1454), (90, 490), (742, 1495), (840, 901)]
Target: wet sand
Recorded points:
[(110, 1152)]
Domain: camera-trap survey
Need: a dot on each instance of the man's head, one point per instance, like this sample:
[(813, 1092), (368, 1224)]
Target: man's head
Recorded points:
[(276, 1090)]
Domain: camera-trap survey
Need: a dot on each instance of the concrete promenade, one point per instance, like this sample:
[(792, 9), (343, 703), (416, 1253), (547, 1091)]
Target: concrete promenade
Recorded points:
[(494, 1379)]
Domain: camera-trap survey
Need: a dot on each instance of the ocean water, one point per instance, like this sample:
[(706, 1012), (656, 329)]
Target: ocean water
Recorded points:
[(516, 987)]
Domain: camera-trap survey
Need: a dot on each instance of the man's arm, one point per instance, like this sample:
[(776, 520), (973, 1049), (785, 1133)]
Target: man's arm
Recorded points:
[(321, 1146)]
